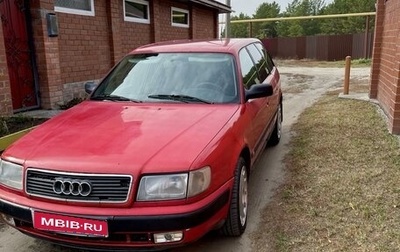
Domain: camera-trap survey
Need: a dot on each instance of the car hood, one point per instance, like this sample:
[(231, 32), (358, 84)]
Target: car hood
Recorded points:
[(114, 137)]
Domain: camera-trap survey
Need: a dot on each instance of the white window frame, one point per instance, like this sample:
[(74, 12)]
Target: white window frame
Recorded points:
[(76, 11), (138, 20), (179, 24)]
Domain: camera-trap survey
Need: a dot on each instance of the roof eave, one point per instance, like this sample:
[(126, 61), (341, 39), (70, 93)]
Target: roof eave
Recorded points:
[(222, 8)]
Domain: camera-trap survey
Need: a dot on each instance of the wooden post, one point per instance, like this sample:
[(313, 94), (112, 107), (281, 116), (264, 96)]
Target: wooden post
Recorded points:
[(347, 76), (250, 29)]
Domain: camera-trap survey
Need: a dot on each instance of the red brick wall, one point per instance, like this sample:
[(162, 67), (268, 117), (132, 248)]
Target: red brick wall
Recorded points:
[(385, 73), (5, 91), (205, 20), (203, 24), (84, 45), (169, 32), (108, 32), (88, 46), (115, 34), (133, 34), (47, 56)]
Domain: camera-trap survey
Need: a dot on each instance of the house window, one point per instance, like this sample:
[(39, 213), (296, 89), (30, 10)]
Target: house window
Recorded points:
[(179, 17), (79, 7), (137, 11)]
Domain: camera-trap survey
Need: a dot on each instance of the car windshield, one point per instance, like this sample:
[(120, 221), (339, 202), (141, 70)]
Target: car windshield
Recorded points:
[(206, 78)]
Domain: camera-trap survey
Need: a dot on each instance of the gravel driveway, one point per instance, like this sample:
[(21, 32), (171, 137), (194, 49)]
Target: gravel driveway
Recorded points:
[(302, 86)]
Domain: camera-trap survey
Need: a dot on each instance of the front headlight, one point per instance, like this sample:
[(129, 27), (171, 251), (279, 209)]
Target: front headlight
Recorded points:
[(174, 186), (163, 187), (11, 174)]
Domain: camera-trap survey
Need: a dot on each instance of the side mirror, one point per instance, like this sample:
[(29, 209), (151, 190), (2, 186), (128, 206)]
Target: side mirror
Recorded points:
[(90, 86), (259, 91)]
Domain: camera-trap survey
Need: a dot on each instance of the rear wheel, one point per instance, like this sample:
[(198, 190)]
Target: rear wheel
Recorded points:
[(236, 221), (277, 133)]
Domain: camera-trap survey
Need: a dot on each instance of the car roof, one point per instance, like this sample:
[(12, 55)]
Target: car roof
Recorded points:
[(216, 45)]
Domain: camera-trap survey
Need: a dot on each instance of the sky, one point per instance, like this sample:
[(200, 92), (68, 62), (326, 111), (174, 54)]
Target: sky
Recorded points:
[(249, 6)]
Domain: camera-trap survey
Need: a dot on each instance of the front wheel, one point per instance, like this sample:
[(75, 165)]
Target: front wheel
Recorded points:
[(236, 221)]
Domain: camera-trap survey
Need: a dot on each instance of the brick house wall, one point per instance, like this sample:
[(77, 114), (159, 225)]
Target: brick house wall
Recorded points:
[(206, 27), (5, 92), (169, 32), (88, 46), (107, 31), (84, 44), (83, 40), (84, 48), (385, 73)]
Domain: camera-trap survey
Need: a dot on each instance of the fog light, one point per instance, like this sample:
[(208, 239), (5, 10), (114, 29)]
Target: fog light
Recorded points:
[(168, 237), (8, 219)]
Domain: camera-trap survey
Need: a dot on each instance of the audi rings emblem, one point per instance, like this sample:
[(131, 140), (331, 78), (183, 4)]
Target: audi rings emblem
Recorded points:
[(72, 187)]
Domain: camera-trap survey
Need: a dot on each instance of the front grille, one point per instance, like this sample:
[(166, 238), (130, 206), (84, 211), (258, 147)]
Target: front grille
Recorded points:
[(105, 187)]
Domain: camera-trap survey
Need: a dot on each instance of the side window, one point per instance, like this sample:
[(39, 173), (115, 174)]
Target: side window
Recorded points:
[(270, 63), (260, 62), (249, 71), (79, 7), (137, 11), (179, 17)]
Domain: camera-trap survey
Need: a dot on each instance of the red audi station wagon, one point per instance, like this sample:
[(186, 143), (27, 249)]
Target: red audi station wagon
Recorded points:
[(157, 156)]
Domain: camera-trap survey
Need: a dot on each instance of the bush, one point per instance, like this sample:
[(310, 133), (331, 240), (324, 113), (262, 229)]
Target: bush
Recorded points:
[(14, 124), (71, 103)]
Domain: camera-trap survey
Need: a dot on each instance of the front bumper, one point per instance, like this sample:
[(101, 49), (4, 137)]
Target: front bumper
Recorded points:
[(126, 232)]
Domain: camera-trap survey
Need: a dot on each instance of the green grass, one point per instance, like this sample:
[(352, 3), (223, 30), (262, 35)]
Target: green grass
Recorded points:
[(16, 123), (342, 189), (361, 62)]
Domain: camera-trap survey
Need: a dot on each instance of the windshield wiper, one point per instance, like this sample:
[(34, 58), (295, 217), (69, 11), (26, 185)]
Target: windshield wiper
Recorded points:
[(181, 98), (113, 98)]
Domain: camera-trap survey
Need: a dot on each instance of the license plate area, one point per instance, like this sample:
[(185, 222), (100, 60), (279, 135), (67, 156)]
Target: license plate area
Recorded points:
[(70, 225)]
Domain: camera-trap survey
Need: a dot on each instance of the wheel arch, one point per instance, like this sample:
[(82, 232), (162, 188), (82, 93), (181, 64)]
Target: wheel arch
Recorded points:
[(245, 153)]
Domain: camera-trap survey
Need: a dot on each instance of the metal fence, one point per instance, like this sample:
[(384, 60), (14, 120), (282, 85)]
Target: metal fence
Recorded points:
[(326, 48)]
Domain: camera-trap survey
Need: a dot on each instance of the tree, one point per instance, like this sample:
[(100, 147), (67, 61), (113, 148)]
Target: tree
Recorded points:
[(267, 29), (347, 25), (301, 27), (240, 30)]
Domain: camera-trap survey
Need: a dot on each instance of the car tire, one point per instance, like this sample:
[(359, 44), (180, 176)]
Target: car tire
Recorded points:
[(277, 133), (236, 221)]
